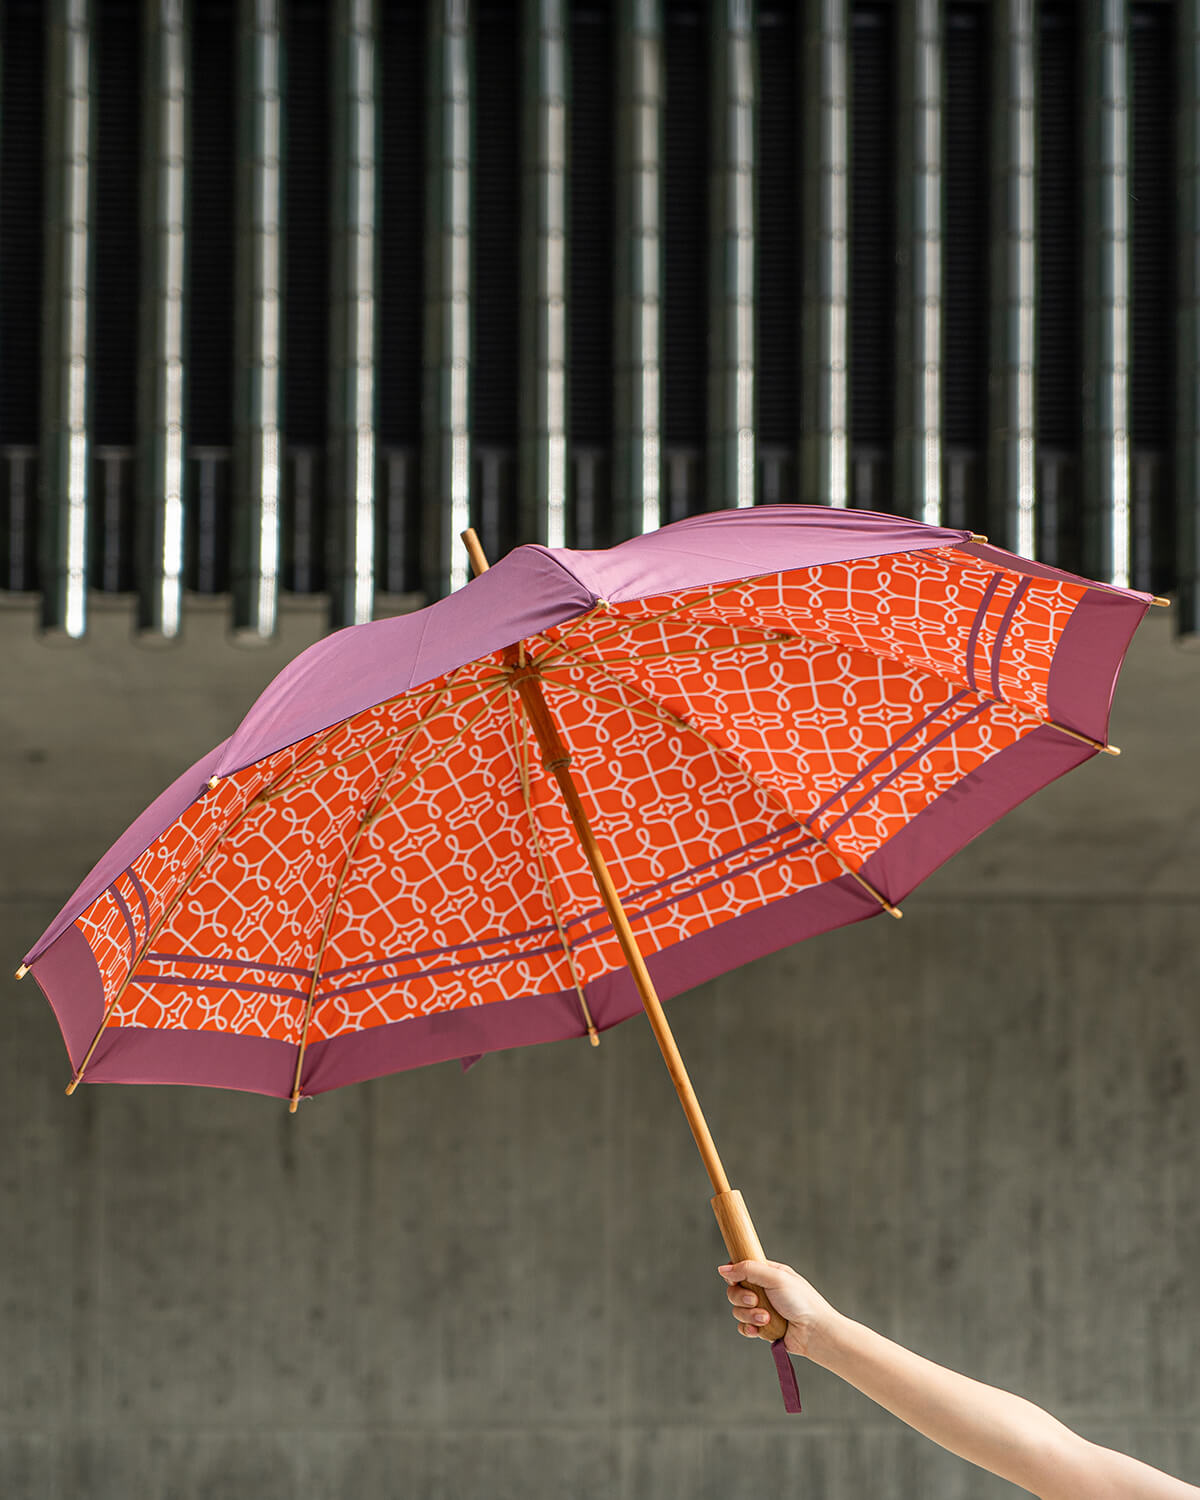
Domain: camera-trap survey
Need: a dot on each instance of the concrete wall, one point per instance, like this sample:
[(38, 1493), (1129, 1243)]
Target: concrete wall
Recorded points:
[(978, 1129)]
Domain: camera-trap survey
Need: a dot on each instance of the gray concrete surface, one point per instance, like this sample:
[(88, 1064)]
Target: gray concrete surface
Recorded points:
[(978, 1129)]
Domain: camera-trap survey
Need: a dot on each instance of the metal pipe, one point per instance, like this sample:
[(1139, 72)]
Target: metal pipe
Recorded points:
[(1187, 434), (66, 373), (732, 458), (825, 319), (918, 456), (161, 439), (637, 438), (544, 250), (353, 320), (258, 383), (1012, 459), (446, 467), (1106, 286)]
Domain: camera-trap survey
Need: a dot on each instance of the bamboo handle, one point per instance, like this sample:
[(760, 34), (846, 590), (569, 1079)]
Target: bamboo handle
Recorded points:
[(737, 1230)]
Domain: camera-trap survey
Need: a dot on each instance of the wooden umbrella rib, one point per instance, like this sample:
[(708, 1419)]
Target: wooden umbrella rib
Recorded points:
[(768, 638), (654, 710), (169, 909), (635, 622), (521, 746), (327, 925), (430, 712), (569, 627), (560, 658), (497, 694)]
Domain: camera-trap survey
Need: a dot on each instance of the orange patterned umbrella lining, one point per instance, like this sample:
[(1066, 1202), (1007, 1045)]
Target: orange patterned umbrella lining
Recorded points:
[(757, 621)]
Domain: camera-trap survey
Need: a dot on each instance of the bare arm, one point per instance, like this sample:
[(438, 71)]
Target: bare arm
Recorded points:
[(1000, 1432)]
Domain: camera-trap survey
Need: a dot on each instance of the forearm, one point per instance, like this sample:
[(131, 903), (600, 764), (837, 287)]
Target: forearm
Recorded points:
[(992, 1428)]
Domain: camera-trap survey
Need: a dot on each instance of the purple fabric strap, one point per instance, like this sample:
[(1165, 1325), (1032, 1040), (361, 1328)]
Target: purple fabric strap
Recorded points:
[(787, 1376)]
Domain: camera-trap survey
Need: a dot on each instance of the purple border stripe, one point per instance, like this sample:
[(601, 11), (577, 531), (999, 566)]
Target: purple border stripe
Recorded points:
[(1014, 604), (470, 963), (217, 984), (588, 916), (140, 891), (588, 937), (977, 625), (890, 751), (946, 733), (128, 915), (228, 963)]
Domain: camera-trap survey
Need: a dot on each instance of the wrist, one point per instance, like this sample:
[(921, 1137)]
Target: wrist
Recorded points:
[(823, 1336)]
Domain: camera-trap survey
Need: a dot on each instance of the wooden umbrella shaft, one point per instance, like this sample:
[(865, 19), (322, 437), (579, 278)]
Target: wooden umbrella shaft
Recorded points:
[(733, 1218)]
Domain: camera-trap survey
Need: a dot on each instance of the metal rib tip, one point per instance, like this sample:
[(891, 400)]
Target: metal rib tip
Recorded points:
[(22, 971), (1161, 602), (213, 783)]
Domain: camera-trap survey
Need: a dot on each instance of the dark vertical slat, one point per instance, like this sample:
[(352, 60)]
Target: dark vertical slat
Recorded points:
[(22, 126), (496, 265), (306, 297), (685, 290), (590, 303), (1152, 393), (118, 148), (777, 306), (211, 295), (401, 176), (965, 284), (872, 266), (111, 560), (1059, 332)]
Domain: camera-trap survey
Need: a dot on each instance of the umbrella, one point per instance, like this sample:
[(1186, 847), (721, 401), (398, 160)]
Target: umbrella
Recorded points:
[(778, 720)]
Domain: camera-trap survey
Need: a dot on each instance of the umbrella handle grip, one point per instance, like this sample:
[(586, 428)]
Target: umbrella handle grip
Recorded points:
[(742, 1242)]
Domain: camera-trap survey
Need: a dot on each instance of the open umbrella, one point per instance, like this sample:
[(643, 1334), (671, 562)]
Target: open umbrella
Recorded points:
[(586, 781)]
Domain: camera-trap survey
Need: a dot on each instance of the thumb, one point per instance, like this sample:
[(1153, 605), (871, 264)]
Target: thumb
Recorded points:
[(760, 1272)]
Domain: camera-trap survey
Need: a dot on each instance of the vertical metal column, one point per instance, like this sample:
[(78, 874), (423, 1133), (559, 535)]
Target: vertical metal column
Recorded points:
[(162, 372), (446, 466), (258, 382), (638, 283), (825, 319), (731, 437), (355, 259), (1106, 286), (544, 250), (1012, 429), (1187, 436), (918, 456), (65, 437)]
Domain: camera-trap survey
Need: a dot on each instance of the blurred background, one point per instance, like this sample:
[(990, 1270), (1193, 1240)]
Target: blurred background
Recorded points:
[(291, 291)]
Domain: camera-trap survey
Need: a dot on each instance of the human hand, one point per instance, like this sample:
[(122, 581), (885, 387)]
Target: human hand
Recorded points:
[(806, 1311)]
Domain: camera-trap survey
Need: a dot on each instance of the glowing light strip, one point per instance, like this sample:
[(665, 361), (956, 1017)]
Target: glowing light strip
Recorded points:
[(733, 455), (1107, 465), (260, 296), (544, 419), (456, 268), (361, 290), (75, 313), (162, 603), (920, 374), (826, 383), (639, 266)]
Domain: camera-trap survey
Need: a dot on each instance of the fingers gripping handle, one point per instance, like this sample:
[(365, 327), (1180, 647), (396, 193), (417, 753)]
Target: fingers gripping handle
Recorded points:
[(737, 1230)]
